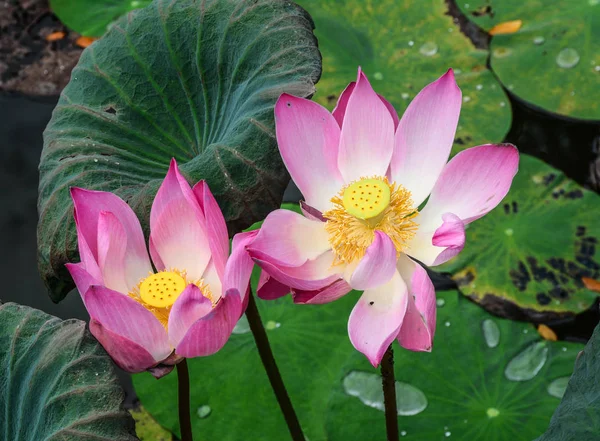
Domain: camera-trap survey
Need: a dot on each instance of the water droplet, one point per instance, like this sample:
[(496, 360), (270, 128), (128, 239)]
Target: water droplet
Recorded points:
[(564, 349), (567, 58), (593, 2), (502, 52), (242, 326), (558, 387), (403, 433), (429, 49), (447, 324), (95, 160), (204, 411), (492, 412), (509, 231), (597, 68), (466, 6), (491, 333), (479, 87), (539, 40), (367, 387), (457, 71), (404, 96), (447, 433), (270, 325), (502, 104), (450, 30), (525, 331), (135, 3), (528, 363), (466, 99), (440, 302), (411, 43), (378, 76)]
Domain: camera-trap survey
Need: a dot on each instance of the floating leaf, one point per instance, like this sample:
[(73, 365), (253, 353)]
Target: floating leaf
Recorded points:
[(578, 414), (553, 61), (464, 380), (337, 393), (195, 80), (403, 46), (91, 18), (526, 258), (57, 381)]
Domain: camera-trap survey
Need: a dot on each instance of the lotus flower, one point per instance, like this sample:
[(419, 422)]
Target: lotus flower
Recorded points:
[(148, 318), (365, 176)]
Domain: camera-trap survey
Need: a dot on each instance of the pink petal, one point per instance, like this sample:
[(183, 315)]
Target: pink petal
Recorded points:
[(127, 354), (425, 135), (216, 228), (270, 288), (367, 138), (240, 264), (418, 327), (177, 227), (342, 104), (209, 333), (212, 279), (377, 317), (289, 239), (308, 138), (337, 289), (311, 212), (122, 316), (88, 205), (314, 274), (378, 264), (473, 183), (83, 279), (112, 243), (434, 245), (189, 307)]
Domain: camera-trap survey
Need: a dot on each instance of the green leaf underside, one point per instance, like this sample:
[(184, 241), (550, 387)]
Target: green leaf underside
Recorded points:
[(93, 17), (194, 80), (578, 414), (462, 378), (530, 62), (57, 381), (534, 248), (377, 36)]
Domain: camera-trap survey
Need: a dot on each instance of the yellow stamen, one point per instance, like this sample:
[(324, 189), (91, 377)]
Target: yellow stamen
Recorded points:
[(159, 291), (162, 289), (352, 229)]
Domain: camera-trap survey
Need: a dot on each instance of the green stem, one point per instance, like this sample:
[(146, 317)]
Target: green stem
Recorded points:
[(268, 361), (183, 393), (388, 382)]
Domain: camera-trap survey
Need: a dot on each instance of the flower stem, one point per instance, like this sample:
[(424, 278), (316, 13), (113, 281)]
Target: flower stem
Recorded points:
[(183, 393), (388, 382), (268, 361)]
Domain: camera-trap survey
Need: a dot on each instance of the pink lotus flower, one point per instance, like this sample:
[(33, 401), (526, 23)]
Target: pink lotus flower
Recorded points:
[(148, 319), (364, 175)]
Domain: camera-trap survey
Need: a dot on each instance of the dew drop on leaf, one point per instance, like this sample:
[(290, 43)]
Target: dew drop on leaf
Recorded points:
[(491, 333), (528, 363)]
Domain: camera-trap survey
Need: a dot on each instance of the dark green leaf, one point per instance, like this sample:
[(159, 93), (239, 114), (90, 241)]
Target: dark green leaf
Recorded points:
[(578, 414), (57, 381), (93, 17), (195, 80), (534, 248)]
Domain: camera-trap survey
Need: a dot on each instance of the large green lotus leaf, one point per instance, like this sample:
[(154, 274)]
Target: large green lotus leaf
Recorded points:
[(526, 258), (231, 396), (578, 414), (403, 45), (57, 381), (92, 17), (553, 61), (486, 379), (195, 80)]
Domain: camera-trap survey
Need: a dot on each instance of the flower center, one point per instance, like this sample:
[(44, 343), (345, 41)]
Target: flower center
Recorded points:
[(162, 289), (364, 206), (367, 198)]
